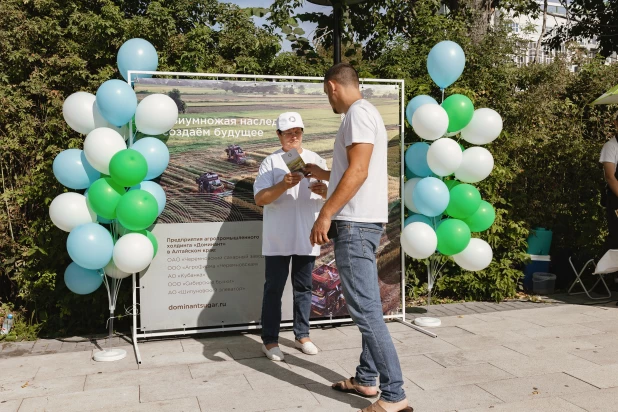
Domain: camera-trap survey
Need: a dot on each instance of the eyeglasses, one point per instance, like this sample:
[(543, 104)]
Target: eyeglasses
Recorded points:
[(290, 134)]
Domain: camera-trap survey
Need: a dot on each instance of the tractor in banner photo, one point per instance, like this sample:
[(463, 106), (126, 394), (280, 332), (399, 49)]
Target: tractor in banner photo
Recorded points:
[(235, 154), (210, 183), (327, 296)]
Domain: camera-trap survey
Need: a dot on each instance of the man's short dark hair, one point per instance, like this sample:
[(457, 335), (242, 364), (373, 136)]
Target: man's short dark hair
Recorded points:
[(342, 73)]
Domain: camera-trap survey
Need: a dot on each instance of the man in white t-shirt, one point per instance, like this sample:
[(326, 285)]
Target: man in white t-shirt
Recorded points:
[(609, 159), (291, 205), (354, 214)]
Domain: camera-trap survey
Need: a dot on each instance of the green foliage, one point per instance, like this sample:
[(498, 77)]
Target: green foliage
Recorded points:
[(24, 328)]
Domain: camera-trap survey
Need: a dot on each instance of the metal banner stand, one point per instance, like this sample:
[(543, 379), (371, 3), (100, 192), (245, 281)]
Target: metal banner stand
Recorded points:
[(137, 333), (110, 354)]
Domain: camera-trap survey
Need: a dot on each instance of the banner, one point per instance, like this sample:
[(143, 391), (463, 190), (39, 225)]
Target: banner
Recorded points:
[(209, 270)]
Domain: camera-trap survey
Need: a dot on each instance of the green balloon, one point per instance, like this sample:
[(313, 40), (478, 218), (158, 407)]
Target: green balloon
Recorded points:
[(464, 201), (483, 218), (460, 110), (103, 197), (137, 210), (453, 236), (451, 184), (128, 167)]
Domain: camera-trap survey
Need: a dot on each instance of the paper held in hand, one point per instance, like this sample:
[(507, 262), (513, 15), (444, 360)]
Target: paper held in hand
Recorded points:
[(293, 160)]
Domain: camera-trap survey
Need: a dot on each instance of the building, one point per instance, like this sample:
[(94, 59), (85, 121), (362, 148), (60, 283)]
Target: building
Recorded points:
[(529, 28)]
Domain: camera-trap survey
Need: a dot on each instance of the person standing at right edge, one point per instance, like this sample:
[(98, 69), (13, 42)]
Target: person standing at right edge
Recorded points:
[(609, 160), (357, 208)]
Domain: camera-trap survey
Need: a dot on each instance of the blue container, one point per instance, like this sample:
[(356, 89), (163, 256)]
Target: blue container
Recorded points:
[(539, 241), (539, 263)]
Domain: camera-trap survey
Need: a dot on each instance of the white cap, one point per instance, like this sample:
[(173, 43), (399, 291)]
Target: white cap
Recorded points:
[(289, 120)]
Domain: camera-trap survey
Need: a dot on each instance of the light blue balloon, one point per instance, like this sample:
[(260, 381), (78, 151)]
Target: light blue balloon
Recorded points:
[(73, 170), (116, 101), (417, 218), (154, 189), (137, 54), (409, 174), (445, 63), (90, 246), (417, 102), (81, 280), (416, 159), (156, 153), (430, 196)]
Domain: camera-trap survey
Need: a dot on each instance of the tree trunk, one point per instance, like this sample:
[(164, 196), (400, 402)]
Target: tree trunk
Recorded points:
[(543, 28)]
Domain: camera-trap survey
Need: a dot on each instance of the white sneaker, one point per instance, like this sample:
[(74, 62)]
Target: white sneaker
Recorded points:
[(274, 354), (308, 348)]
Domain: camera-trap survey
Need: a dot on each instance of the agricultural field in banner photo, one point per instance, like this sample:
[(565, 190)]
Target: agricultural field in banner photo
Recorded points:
[(210, 178)]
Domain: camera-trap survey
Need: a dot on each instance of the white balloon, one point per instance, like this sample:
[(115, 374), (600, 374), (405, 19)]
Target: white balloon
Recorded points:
[(133, 252), (485, 127), (476, 164), (112, 271), (419, 240), (101, 145), (444, 156), (156, 114), (69, 210), (477, 256), (77, 111), (408, 189), (430, 121)]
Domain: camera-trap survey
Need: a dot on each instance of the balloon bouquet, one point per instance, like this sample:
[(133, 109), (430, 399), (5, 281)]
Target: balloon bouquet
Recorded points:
[(444, 207), (109, 224)]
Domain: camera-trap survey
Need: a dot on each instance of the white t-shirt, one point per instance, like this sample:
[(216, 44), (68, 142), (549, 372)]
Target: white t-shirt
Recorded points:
[(363, 124), (609, 153), (289, 219)]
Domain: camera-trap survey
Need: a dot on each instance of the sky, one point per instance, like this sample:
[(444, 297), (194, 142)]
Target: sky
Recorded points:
[(307, 8)]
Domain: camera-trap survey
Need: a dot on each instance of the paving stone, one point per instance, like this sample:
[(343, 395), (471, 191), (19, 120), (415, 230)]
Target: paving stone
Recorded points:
[(85, 367), (162, 391), (257, 400), (600, 356), (541, 386), (185, 358), (95, 400), (10, 406), (604, 400), (458, 375), (600, 376), (215, 370), (176, 405), (471, 357), (531, 347), (457, 397), (478, 342), (337, 401), (506, 325), (103, 380), (535, 405), (603, 326), (22, 390), (563, 331), (300, 373), (541, 363)]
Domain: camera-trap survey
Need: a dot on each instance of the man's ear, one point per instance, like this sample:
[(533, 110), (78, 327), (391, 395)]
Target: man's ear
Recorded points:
[(332, 86)]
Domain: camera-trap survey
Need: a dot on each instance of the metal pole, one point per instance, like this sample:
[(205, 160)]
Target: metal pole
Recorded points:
[(337, 33)]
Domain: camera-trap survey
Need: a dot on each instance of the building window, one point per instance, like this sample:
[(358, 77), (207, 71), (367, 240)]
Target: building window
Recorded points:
[(515, 27)]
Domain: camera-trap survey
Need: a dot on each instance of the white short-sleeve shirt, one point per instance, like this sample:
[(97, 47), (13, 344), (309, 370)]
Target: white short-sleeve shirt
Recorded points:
[(287, 222), (363, 124), (609, 153)]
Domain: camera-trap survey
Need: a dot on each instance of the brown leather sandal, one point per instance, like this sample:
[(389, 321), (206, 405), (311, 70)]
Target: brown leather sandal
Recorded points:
[(347, 386), (375, 407)]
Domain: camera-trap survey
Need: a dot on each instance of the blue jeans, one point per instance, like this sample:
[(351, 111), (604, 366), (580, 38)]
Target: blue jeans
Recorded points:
[(356, 246), (277, 269)]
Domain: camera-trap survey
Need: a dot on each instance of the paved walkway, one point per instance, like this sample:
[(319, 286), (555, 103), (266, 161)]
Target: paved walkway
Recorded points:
[(487, 357)]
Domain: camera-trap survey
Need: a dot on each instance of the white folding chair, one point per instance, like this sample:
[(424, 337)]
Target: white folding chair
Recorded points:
[(607, 264)]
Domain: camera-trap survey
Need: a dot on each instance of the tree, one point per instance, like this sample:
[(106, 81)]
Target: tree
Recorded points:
[(589, 19), (175, 95)]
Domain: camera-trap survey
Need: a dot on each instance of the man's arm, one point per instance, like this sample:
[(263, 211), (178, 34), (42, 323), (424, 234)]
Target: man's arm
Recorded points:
[(267, 196), (610, 176), (359, 156)]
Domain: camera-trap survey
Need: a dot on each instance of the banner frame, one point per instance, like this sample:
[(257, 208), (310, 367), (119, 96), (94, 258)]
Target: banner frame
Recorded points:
[(400, 317)]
